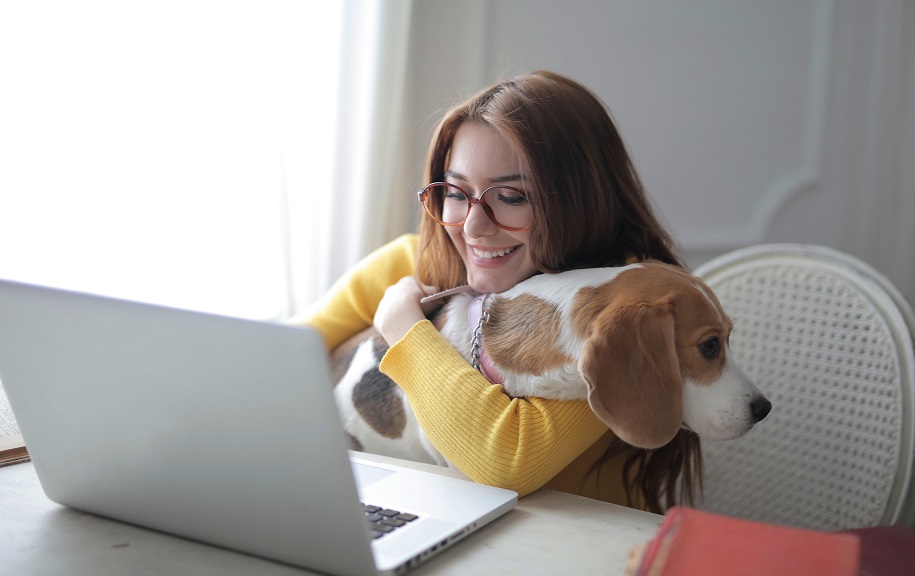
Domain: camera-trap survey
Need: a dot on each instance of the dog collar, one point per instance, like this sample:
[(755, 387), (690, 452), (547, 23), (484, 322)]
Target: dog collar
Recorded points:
[(479, 358)]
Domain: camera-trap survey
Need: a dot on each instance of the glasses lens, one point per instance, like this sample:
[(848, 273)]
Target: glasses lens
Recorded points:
[(509, 206), (446, 204)]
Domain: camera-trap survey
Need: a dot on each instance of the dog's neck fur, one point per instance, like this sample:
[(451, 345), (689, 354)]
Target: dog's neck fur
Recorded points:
[(526, 339), (480, 358)]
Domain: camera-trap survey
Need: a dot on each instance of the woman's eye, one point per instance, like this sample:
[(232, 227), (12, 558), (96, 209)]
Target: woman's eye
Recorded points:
[(512, 198), (710, 348)]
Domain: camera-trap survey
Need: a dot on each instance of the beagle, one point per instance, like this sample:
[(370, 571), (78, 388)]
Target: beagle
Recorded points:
[(646, 344)]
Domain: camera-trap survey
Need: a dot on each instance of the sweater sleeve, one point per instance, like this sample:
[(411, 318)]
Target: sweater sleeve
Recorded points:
[(515, 443), (350, 304)]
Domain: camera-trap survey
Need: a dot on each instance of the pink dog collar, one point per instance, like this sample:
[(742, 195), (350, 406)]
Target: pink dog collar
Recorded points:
[(479, 357)]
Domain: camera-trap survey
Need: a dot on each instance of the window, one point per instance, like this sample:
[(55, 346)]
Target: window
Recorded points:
[(144, 145)]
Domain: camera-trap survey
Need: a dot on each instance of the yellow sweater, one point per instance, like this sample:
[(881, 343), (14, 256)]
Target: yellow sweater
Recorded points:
[(516, 443)]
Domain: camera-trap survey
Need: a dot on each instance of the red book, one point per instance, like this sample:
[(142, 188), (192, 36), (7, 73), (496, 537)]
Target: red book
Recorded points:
[(697, 543)]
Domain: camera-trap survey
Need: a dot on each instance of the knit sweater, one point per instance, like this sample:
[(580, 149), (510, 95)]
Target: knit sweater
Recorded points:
[(518, 443)]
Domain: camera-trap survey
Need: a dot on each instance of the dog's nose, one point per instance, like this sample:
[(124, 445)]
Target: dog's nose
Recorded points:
[(760, 408)]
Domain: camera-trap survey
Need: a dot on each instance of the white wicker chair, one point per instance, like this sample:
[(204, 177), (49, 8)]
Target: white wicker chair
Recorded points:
[(829, 341)]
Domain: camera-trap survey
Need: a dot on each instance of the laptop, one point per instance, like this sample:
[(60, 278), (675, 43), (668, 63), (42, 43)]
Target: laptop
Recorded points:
[(217, 429)]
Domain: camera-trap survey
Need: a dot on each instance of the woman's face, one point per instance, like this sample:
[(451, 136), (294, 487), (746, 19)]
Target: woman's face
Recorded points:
[(495, 259)]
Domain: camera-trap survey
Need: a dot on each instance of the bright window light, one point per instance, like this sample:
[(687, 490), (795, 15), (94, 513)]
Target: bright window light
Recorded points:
[(140, 154)]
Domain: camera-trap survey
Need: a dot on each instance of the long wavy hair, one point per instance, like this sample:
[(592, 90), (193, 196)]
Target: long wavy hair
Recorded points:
[(591, 211)]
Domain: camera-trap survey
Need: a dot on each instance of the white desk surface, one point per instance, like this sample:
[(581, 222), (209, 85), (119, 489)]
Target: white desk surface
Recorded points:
[(548, 532)]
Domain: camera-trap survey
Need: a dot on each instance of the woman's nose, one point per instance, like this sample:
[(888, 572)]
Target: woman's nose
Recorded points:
[(478, 223)]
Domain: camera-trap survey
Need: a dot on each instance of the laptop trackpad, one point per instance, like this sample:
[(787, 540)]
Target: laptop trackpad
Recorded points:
[(366, 474)]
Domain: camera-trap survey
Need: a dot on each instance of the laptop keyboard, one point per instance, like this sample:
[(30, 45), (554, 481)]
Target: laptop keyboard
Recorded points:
[(383, 521)]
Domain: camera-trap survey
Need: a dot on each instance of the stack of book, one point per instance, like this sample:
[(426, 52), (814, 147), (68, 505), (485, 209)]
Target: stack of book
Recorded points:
[(12, 446)]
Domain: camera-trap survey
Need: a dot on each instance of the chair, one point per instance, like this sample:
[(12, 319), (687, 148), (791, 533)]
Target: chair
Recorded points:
[(829, 341)]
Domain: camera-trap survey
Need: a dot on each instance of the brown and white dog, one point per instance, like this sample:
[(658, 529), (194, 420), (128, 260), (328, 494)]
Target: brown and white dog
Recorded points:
[(645, 344)]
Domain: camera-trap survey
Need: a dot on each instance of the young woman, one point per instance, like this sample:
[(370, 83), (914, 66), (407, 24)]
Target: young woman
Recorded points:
[(527, 176)]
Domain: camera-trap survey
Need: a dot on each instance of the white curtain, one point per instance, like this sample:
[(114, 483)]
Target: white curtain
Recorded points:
[(364, 201)]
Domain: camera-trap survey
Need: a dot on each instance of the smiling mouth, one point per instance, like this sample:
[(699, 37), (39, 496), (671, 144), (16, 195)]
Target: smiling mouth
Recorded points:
[(486, 255)]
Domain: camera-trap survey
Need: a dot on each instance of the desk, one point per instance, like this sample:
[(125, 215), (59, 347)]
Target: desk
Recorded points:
[(548, 533)]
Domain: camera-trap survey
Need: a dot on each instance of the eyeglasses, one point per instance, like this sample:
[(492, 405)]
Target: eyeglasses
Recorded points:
[(448, 205)]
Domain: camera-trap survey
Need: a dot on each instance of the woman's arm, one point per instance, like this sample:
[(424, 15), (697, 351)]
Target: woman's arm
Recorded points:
[(519, 444), (514, 443)]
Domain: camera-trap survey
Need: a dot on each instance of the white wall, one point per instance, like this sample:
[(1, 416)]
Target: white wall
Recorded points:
[(750, 121)]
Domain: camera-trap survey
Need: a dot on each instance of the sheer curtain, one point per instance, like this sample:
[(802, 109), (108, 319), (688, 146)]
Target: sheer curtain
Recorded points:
[(213, 155), (366, 203)]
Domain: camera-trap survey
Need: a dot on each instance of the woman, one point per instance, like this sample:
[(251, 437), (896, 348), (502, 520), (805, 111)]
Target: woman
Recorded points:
[(560, 193)]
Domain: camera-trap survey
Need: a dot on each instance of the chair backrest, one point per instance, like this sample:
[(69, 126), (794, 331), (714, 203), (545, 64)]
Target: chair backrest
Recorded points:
[(829, 341)]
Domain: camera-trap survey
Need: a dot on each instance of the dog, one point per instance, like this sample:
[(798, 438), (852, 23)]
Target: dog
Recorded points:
[(646, 344)]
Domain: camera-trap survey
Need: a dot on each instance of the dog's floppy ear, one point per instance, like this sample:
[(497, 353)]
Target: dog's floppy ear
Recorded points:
[(630, 365)]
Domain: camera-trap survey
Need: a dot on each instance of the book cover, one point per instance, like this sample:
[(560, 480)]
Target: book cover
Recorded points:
[(693, 543)]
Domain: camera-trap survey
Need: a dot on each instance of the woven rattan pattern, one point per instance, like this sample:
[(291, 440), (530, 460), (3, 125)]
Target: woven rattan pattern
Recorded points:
[(826, 456)]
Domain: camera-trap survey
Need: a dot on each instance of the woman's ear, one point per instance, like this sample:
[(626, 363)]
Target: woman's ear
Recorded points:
[(630, 365)]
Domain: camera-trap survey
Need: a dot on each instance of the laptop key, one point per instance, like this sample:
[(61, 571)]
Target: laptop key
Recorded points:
[(392, 522), (383, 521)]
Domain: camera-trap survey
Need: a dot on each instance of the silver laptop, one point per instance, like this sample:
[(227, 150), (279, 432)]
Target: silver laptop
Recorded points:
[(217, 429)]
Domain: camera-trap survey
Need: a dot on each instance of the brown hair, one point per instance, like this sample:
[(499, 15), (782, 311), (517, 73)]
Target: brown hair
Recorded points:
[(589, 207)]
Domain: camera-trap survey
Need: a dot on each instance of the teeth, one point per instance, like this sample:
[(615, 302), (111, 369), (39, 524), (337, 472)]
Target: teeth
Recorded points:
[(485, 254)]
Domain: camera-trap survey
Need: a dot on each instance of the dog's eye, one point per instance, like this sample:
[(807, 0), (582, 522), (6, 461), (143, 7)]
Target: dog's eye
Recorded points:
[(710, 348)]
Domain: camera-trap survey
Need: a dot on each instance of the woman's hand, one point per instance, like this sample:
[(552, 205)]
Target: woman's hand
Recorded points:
[(400, 308)]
